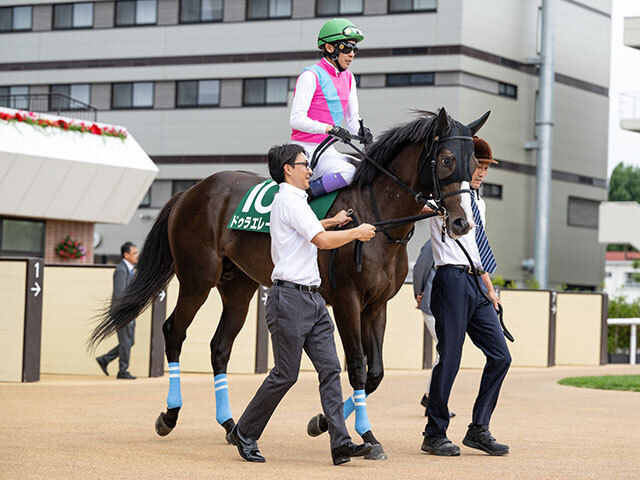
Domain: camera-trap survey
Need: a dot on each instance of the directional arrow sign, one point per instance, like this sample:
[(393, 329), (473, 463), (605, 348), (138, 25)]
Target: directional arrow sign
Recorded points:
[(162, 295), (36, 288)]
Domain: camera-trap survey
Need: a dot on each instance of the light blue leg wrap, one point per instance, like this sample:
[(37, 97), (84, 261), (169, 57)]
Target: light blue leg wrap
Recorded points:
[(223, 409), (349, 407), (362, 419), (174, 399)]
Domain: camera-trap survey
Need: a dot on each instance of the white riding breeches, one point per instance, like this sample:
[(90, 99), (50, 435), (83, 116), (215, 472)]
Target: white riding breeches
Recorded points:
[(331, 161), (430, 322)]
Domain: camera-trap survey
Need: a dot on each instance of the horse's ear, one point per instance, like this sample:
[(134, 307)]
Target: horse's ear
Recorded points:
[(442, 123), (477, 124)]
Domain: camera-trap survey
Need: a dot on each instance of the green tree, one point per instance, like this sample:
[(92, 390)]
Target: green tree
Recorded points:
[(618, 338), (624, 184)]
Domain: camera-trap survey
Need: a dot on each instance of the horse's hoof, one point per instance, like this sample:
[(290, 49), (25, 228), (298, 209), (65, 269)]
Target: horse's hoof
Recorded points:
[(228, 426), (317, 425), (376, 453), (161, 428)]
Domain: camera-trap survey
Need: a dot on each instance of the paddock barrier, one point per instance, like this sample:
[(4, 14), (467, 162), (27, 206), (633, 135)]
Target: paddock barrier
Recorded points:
[(47, 331)]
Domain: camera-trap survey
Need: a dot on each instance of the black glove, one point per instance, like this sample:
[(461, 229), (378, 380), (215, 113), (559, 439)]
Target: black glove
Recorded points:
[(367, 136), (365, 133), (341, 133)]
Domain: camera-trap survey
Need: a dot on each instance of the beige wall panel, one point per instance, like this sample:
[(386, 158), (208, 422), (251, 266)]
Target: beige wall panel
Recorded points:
[(578, 329), (72, 298), (526, 315), (527, 318), (13, 277), (403, 339), (305, 362), (196, 354)]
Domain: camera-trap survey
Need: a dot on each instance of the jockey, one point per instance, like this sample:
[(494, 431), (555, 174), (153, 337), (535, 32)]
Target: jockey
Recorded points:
[(324, 96)]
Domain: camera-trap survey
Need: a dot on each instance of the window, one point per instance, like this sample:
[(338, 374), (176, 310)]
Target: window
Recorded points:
[(582, 212), (21, 237), (507, 90), (632, 279), (136, 12), (15, 19), (146, 200), (338, 7), (400, 6), (492, 190), (198, 93), (182, 185), (260, 9), (409, 79), (73, 15), (195, 11), (70, 97), (132, 95), (265, 91), (15, 97)]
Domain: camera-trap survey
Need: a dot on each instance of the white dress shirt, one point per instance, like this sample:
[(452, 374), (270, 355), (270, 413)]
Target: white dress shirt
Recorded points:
[(129, 266), (305, 89), (448, 252), (293, 226)]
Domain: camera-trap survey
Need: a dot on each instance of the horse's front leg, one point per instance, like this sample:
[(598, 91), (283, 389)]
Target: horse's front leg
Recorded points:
[(373, 325), (236, 290)]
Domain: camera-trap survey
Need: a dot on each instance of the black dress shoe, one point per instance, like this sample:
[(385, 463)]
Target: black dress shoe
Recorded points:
[(424, 401), (126, 376), (479, 436), (440, 446), (343, 453), (103, 365), (247, 447)]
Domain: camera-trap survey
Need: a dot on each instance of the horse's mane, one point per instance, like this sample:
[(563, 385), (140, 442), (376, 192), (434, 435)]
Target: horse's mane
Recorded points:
[(390, 142)]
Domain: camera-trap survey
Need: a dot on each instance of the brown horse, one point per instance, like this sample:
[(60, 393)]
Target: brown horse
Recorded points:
[(190, 239)]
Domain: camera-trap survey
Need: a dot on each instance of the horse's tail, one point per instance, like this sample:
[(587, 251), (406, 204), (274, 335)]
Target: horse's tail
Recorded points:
[(155, 269)]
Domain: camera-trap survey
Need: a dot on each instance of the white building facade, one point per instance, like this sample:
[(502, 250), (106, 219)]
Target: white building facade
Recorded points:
[(206, 85)]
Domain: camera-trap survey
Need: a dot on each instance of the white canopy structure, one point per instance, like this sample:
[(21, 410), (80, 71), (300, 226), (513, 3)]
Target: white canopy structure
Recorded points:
[(619, 222), (53, 173)]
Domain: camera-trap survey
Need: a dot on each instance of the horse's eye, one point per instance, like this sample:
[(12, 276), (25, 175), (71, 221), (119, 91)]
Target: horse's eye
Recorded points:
[(446, 161)]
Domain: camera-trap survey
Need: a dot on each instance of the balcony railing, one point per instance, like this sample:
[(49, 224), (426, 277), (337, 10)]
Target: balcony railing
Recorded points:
[(52, 103), (630, 106)]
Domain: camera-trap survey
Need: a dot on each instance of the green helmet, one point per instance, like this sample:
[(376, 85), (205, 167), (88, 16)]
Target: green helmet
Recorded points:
[(339, 29)]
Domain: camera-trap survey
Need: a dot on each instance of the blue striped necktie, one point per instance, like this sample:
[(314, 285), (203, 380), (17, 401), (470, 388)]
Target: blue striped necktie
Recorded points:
[(486, 255)]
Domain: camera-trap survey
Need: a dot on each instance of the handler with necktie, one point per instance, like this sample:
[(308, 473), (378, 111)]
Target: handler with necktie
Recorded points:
[(460, 308)]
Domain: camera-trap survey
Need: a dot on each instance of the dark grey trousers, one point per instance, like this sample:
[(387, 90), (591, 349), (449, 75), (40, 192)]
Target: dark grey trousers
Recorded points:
[(298, 320), (126, 338)]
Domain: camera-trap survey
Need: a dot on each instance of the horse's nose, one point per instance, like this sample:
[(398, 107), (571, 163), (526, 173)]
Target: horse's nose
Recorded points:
[(460, 226)]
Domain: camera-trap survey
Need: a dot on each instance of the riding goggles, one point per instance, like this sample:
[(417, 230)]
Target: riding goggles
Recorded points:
[(346, 47)]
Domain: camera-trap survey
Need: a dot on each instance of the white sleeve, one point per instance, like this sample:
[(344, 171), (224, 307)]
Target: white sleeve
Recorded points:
[(302, 219), (352, 114), (305, 89)]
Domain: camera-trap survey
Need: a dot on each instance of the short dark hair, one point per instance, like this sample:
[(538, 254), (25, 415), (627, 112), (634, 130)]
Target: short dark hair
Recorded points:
[(281, 155), (126, 248)]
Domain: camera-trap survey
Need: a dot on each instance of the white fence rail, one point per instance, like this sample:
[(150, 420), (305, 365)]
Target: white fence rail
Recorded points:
[(633, 342)]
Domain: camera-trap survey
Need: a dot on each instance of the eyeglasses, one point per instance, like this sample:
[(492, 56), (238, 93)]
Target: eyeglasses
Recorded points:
[(346, 47), (306, 164)]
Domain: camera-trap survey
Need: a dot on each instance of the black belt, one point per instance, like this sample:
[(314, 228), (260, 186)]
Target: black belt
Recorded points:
[(297, 286), (464, 268)]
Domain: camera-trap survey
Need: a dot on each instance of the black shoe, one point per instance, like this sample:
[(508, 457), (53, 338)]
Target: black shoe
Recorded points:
[(479, 436), (126, 376), (424, 401), (103, 365), (247, 447), (343, 453), (440, 446)]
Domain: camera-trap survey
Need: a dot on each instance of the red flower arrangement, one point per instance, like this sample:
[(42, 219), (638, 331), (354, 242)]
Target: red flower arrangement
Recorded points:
[(70, 248), (32, 119)]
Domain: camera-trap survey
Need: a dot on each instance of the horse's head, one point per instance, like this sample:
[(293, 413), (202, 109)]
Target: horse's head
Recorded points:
[(449, 176)]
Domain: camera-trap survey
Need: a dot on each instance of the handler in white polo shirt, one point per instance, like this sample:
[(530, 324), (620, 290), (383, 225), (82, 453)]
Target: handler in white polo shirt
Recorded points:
[(296, 313)]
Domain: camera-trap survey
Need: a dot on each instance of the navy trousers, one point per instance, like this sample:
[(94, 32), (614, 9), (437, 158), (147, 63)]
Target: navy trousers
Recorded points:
[(460, 308)]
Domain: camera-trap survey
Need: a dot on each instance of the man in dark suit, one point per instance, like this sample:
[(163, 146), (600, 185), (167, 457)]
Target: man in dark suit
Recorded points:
[(122, 277)]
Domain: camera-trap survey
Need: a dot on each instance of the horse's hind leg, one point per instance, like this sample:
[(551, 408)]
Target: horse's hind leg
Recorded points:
[(236, 290), (175, 331)]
